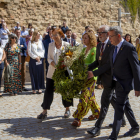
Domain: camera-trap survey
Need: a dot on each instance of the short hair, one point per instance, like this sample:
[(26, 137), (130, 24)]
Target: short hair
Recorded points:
[(13, 35), (68, 30), (92, 38), (60, 32), (17, 29), (86, 27), (117, 30), (106, 28)]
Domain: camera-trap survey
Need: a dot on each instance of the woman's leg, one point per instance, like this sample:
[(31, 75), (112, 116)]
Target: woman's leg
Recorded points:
[(48, 95), (85, 100)]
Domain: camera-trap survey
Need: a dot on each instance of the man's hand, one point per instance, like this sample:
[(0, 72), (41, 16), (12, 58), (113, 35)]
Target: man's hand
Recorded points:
[(137, 93), (90, 74)]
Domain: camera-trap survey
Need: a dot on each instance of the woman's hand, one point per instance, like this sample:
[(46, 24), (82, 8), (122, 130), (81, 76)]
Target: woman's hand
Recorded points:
[(53, 64), (90, 74), (7, 64), (37, 59)]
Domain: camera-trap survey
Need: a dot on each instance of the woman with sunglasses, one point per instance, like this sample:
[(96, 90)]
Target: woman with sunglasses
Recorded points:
[(13, 59)]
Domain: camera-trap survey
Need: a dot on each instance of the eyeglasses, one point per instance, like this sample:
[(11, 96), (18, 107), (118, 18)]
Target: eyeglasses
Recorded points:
[(111, 36), (100, 33), (13, 37)]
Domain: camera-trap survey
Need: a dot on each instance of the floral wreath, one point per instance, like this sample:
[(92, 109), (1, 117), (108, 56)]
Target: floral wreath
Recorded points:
[(72, 61)]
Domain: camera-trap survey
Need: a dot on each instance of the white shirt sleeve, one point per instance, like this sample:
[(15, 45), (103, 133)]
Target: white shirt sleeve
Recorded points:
[(49, 55), (30, 52), (41, 51)]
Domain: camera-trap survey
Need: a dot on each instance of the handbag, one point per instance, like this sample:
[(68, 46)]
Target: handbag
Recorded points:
[(27, 59)]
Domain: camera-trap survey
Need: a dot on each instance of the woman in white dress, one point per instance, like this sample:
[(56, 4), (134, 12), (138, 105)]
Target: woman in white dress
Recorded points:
[(36, 52)]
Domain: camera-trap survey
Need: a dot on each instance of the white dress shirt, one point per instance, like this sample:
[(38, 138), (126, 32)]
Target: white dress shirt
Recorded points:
[(53, 55), (119, 45), (36, 50)]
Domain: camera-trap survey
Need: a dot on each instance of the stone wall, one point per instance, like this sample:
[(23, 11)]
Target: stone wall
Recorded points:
[(77, 13)]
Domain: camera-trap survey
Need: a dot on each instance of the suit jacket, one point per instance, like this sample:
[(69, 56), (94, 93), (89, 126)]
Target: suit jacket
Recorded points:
[(65, 39), (46, 46), (126, 67), (53, 55), (104, 68), (24, 48)]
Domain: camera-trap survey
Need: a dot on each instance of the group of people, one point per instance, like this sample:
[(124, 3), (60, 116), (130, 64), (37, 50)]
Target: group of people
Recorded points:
[(109, 56)]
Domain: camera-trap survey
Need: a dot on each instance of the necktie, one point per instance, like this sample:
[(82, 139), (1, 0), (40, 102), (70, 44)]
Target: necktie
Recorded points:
[(69, 40), (102, 48), (115, 53)]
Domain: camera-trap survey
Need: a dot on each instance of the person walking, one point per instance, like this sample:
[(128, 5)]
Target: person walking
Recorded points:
[(87, 99), (53, 57)]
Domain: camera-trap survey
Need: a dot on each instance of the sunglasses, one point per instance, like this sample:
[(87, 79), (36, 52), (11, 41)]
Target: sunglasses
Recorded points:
[(13, 37)]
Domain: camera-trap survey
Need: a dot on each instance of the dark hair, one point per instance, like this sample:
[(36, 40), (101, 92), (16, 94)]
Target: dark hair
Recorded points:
[(68, 30), (30, 24), (86, 27), (60, 26), (53, 27), (130, 38), (17, 29)]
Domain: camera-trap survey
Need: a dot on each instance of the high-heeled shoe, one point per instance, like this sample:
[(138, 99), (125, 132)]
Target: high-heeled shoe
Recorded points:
[(76, 123), (93, 117)]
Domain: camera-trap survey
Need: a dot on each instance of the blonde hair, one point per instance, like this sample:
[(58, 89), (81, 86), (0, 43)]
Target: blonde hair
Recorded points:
[(34, 35), (92, 38)]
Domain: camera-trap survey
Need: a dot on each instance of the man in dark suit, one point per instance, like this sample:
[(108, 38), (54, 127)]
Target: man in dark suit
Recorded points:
[(125, 70), (104, 71), (22, 43), (64, 27), (68, 36), (46, 46)]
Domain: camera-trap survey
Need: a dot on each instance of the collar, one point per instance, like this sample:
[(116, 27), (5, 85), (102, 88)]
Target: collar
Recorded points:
[(120, 44)]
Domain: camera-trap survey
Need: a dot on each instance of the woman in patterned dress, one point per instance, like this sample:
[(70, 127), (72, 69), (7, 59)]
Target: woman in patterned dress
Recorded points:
[(13, 58), (87, 100)]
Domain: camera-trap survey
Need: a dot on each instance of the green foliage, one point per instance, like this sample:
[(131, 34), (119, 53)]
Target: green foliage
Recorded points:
[(133, 6), (65, 86)]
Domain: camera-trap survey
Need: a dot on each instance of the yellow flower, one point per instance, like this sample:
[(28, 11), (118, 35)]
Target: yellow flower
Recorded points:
[(63, 48), (69, 53), (92, 53)]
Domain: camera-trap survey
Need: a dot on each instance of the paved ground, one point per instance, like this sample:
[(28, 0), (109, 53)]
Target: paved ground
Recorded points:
[(18, 119)]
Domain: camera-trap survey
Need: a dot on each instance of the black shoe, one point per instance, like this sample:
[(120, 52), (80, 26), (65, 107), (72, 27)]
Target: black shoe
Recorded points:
[(42, 116), (131, 132), (122, 125), (94, 132), (24, 89), (67, 114)]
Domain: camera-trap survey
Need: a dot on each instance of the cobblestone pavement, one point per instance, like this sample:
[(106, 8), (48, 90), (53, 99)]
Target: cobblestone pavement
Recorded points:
[(18, 119)]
